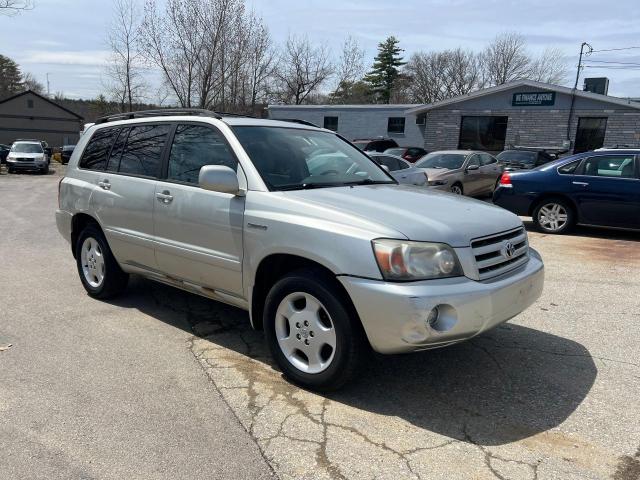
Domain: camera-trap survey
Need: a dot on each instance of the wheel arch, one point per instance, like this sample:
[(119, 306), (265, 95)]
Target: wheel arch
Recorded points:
[(550, 196), (78, 222), (273, 267)]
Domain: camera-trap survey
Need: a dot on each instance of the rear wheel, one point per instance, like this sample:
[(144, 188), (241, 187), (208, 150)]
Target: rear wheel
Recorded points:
[(553, 216), (457, 189), (99, 272), (311, 332)]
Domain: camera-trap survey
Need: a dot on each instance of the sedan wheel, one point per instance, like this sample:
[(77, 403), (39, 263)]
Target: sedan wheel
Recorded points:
[(457, 189), (553, 217), (305, 332)]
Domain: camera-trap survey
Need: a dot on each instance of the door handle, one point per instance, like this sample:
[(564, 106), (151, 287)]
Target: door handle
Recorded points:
[(105, 185), (165, 196), (584, 184)]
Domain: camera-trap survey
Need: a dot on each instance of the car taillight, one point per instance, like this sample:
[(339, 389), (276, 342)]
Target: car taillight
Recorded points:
[(505, 180), (59, 186)]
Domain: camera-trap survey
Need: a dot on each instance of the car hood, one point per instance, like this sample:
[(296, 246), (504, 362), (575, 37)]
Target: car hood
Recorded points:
[(418, 213)]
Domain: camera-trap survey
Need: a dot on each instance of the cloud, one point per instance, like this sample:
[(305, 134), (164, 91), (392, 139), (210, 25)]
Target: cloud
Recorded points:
[(86, 57)]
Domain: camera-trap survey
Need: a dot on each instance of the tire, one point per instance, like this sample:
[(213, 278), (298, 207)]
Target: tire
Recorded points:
[(333, 335), (457, 189), (99, 271), (554, 215), (45, 170), (10, 170)]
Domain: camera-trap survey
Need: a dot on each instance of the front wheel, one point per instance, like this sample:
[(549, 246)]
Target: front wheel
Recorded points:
[(99, 271), (311, 332), (456, 188), (553, 216)]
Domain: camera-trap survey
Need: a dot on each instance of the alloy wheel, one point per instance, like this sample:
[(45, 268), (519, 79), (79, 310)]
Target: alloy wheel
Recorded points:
[(92, 259), (305, 332), (553, 217), (456, 189)]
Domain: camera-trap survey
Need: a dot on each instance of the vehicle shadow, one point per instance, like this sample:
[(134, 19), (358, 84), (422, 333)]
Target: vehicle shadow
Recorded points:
[(592, 232), (506, 385)]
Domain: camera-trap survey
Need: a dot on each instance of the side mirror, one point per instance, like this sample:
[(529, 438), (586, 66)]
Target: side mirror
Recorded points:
[(218, 178), (472, 167)]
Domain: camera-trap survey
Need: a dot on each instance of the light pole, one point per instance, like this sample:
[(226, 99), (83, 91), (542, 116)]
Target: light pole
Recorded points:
[(48, 89), (575, 87)]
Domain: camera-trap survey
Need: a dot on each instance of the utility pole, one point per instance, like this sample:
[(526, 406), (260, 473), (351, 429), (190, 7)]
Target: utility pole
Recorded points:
[(48, 88), (575, 85)]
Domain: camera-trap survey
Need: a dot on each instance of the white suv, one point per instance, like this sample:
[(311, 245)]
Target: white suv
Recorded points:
[(327, 252)]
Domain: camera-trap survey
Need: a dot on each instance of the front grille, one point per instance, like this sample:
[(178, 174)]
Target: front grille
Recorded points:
[(24, 159), (492, 256)]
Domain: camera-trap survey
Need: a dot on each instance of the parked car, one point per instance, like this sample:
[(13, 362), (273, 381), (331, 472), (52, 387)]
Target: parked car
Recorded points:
[(596, 188), (65, 153), (4, 152), (45, 146), (400, 169), (375, 145), (410, 154), (463, 172), (328, 264), (27, 155), (524, 158)]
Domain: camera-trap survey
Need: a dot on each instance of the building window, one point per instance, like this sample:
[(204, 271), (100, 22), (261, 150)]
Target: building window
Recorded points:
[(331, 123), (590, 133), (395, 125), (29, 103), (483, 133)]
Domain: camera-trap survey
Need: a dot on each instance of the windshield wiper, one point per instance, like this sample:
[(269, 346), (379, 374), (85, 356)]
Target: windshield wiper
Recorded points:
[(308, 186), (368, 181)]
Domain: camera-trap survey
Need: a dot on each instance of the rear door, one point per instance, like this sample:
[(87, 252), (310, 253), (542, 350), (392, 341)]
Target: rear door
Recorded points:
[(490, 171), (124, 199), (199, 232), (606, 189)]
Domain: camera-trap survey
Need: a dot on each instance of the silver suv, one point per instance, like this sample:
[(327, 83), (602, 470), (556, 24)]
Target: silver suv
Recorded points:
[(327, 252)]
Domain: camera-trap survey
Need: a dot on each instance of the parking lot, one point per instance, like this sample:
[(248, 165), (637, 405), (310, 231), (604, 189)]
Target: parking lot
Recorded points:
[(160, 383)]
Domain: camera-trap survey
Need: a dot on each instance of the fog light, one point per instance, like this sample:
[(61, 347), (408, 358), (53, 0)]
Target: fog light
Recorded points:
[(432, 318)]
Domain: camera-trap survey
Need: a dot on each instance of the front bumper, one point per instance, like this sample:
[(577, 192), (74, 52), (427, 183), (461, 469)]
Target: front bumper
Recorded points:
[(394, 314), (20, 165)]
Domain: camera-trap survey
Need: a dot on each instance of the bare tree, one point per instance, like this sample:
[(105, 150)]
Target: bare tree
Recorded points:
[(303, 69), (550, 67), (462, 72), (31, 83), (261, 61), (13, 7), (124, 70), (349, 70), (506, 59)]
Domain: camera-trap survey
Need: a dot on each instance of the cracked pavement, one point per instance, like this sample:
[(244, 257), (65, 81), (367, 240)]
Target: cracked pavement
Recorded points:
[(553, 394)]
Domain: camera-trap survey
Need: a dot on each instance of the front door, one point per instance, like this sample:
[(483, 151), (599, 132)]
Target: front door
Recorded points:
[(472, 178), (198, 232), (607, 191)]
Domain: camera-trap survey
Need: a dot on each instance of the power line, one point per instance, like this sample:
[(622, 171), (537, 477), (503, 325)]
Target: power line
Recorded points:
[(612, 50), (614, 67), (619, 63)]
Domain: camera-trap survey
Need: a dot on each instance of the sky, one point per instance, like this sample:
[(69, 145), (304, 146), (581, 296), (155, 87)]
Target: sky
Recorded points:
[(66, 38)]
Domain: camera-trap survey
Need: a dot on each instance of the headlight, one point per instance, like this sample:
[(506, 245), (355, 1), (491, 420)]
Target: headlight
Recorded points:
[(434, 183), (406, 260)]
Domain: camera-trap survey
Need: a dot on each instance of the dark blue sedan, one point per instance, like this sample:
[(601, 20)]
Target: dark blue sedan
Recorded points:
[(593, 188)]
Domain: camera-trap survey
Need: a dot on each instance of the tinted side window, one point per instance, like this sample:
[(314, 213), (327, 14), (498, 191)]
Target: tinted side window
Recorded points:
[(195, 146), (474, 160), (569, 168), (389, 162), (143, 150), (97, 150), (116, 152), (486, 159), (620, 166)]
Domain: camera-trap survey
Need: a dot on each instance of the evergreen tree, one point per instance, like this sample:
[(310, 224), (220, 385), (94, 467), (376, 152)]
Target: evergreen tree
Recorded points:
[(385, 69), (10, 77)]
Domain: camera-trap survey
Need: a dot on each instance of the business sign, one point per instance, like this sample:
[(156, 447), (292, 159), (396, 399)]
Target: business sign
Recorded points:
[(533, 99)]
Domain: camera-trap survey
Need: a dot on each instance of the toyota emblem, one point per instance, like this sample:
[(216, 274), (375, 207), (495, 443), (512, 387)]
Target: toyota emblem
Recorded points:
[(509, 250)]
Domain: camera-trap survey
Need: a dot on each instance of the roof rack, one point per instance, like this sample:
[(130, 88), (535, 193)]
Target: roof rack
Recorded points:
[(296, 120), (156, 113)]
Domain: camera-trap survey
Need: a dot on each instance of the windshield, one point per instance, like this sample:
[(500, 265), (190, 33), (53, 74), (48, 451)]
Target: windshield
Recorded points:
[(450, 161), (26, 148), (517, 157), (292, 159)]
